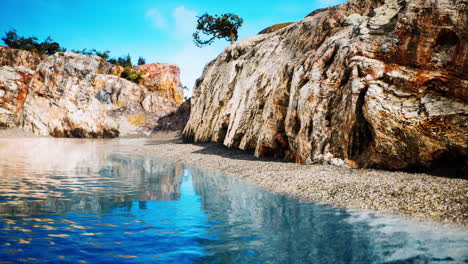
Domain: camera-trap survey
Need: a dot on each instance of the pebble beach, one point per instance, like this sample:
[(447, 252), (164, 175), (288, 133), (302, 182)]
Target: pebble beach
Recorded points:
[(416, 195)]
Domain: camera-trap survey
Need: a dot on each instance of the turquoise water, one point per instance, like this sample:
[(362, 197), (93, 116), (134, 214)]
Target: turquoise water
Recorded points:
[(91, 201)]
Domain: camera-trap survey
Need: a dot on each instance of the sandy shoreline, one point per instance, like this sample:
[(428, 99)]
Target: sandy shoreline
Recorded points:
[(420, 196)]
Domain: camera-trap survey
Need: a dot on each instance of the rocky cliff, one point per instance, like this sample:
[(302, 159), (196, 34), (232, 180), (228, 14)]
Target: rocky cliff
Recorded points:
[(369, 83), (16, 57), (163, 79), (73, 95)]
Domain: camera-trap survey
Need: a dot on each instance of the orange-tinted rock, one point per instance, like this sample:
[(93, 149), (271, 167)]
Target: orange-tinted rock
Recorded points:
[(74, 95), (369, 83), (14, 87), (163, 79)]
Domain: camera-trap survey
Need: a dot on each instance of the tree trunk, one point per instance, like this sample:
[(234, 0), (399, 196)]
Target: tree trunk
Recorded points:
[(232, 37)]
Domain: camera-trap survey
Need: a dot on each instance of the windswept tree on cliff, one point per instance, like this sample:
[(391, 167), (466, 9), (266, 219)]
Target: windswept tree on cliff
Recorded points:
[(224, 26)]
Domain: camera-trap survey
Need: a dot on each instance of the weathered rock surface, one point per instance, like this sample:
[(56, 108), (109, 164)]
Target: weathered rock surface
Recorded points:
[(369, 83), (163, 79), (73, 95), (13, 90), (274, 28), (132, 106), (16, 57)]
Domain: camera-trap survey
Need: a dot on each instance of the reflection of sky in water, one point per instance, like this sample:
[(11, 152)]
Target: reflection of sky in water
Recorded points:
[(91, 201)]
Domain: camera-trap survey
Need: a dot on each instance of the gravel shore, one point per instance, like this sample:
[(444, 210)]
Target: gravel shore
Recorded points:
[(417, 195)]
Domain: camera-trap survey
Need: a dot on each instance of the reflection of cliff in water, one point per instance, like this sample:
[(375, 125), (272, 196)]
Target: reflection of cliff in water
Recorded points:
[(304, 233), (85, 177), (154, 180)]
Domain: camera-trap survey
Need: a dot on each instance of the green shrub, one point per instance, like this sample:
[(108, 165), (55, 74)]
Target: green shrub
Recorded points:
[(132, 75), (102, 54), (12, 40), (124, 61)]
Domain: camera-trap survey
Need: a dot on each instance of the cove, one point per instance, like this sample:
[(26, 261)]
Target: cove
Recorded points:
[(91, 201)]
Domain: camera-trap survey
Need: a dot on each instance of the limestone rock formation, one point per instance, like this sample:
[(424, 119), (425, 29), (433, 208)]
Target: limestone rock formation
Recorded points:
[(368, 83), (73, 95), (16, 57), (163, 79), (14, 85), (131, 105)]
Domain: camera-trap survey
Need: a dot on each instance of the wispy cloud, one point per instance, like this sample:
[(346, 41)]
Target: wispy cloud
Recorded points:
[(185, 20), (188, 59), (181, 23), (156, 19)]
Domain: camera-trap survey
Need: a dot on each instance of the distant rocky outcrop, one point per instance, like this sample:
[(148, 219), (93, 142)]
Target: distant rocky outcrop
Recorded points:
[(274, 28), (163, 79), (74, 95), (368, 83)]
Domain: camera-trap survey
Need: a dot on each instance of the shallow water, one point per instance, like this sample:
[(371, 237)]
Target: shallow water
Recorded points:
[(93, 201)]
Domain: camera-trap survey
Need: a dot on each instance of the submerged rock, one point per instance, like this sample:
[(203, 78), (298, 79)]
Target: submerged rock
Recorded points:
[(369, 83)]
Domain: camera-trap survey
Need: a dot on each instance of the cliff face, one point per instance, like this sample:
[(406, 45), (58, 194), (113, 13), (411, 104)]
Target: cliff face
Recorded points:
[(163, 79), (368, 83), (16, 57), (14, 86), (73, 95)]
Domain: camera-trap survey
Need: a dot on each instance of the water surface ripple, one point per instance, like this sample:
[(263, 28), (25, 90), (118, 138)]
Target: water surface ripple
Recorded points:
[(91, 201)]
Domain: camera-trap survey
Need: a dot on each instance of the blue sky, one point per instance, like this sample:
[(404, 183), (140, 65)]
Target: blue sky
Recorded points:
[(160, 31)]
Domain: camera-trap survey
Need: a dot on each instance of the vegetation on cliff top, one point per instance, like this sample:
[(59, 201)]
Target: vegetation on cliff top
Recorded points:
[(48, 47), (224, 26), (102, 54), (141, 61), (132, 75)]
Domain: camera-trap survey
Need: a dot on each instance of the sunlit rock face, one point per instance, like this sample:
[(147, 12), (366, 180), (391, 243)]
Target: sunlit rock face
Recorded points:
[(62, 100), (369, 83), (163, 79), (14, 83), (132, 106), (73, 95), (16, 57)]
